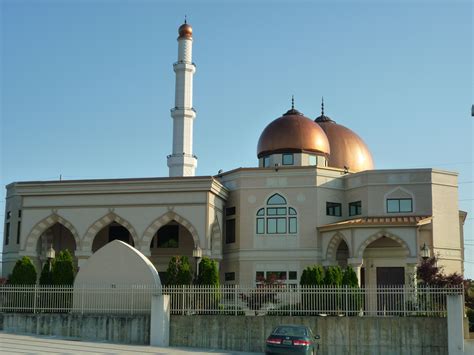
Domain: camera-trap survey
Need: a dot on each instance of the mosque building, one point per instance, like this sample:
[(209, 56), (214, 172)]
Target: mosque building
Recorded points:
[(314, 198)]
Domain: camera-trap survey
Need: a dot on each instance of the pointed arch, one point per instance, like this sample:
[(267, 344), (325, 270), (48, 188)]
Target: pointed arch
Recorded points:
[(102, 222), (373, 238), (29, 244), (334, 244), (160, 222), (216, 239), (276, 199)]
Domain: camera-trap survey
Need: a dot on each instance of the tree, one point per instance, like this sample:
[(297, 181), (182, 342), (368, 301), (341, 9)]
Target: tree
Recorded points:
[(312, 276), (350, 278), (333, 276), (24, 272), (46, 277), (63, 269), (179, 271), (429, 273), (208, 274)]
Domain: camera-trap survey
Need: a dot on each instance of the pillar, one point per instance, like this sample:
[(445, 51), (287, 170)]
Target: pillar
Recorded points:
[(455, 324), (160, 320)]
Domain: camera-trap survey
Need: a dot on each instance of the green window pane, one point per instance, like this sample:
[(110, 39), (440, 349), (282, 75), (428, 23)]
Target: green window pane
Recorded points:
[(287, 159), (312, 160), (292, 227), (393, 205), (292, 211), (276, 199), (260, 226), (281, 211), (271, 225), (271, 211), (281, 225), (406, 205), (261, 212)]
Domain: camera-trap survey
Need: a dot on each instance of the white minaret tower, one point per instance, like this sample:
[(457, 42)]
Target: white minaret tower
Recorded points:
[(182, 162)]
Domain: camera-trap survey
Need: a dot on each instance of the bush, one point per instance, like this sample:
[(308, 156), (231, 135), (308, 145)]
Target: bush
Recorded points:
[(63, 269), (333, 276), (208, 274), (179, 271), (46, 277), (312, 276), (24, 272), (350, 278)]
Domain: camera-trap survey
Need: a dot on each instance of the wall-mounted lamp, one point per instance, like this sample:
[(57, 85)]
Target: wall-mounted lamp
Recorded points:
[(425, 252)]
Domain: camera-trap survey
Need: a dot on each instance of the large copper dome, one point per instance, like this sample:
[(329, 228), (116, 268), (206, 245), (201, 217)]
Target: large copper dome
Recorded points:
[(348, 150), (292, 132)]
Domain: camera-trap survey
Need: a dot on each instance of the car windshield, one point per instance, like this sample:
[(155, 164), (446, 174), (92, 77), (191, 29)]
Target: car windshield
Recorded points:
[(291, 331)]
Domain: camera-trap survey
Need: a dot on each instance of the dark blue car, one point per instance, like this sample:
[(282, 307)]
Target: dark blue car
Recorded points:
[(292, 339)]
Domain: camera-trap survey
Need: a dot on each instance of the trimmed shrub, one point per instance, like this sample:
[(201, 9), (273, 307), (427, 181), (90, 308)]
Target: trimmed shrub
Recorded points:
[(46, 277), (63, 269), (333, 276), (208, 274), (350, 278), (179, 271), (312, 276), (24, 272)]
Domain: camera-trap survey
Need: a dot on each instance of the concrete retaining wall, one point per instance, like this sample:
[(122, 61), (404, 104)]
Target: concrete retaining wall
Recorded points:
[(117, 329), (339, 335)]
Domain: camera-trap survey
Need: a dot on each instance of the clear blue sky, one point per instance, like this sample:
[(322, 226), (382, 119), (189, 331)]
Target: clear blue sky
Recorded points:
[(86, 86)]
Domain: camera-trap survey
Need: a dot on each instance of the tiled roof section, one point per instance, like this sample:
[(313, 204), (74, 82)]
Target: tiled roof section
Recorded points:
[(384, 220)]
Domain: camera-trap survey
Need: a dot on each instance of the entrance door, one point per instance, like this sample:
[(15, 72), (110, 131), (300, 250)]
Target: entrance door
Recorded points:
[(390, 276), (389, 301)]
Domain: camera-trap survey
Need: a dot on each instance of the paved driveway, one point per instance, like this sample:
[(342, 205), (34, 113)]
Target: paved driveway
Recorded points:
[(32, 344)]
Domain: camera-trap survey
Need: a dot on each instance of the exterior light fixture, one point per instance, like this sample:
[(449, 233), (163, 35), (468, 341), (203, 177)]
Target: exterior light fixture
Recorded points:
[(197, 255), (425, 252), (50, 253)]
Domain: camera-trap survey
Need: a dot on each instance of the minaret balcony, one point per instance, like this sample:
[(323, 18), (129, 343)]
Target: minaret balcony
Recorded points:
[(178, 112), (184, 66)]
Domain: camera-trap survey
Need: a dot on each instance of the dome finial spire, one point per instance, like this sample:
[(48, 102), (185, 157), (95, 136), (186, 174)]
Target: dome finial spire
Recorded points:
[(322, 105), (292, 102), (185, 19)]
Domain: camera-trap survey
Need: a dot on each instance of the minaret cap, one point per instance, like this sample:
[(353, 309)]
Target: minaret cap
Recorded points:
[(185, 30)]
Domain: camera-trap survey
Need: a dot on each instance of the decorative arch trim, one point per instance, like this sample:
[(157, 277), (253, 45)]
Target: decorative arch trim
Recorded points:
[(373, 238), (334, 244), (163, 220), (102, 222), (216, 239), (29, 244)]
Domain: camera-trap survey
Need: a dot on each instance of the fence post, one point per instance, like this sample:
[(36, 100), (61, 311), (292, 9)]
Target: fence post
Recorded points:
[(183, 291), (455, 323), (35, 295), (235, 299), (347, 301)]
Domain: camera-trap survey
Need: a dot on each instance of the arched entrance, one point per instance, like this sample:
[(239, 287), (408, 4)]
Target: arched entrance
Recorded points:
[(113, 231), (384, 261), (59, 238), (172, 239), (342, 254)]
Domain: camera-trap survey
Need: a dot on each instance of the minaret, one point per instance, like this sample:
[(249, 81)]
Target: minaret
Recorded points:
[(182, 162)]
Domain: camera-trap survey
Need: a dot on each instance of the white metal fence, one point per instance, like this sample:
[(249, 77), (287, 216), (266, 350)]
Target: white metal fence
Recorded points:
[(230, 300)]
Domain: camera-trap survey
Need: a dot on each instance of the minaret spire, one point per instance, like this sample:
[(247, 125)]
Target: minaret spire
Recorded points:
[(182, 162)]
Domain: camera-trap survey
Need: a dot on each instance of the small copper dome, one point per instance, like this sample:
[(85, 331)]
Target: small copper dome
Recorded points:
[(348, 150), (292, 132), (185, 31)]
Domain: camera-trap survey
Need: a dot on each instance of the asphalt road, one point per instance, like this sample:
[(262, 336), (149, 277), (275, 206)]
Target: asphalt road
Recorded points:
[(32, 344)]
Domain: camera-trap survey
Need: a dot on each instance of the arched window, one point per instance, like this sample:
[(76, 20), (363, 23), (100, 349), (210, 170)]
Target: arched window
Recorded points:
[(277, 217)]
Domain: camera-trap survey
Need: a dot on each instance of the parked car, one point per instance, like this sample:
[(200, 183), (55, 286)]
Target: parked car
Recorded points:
[(292, 339)]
